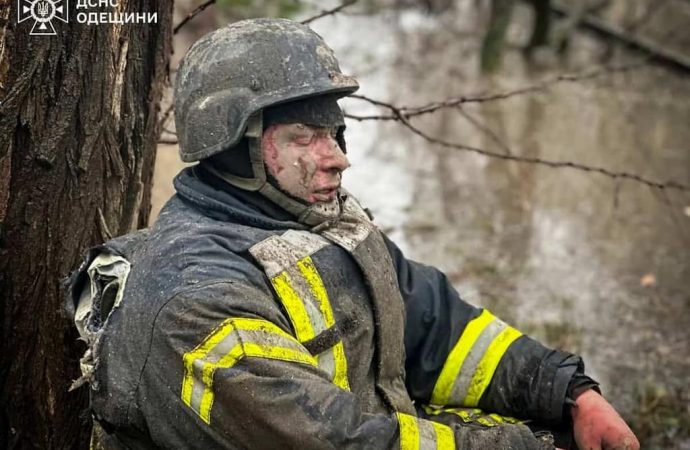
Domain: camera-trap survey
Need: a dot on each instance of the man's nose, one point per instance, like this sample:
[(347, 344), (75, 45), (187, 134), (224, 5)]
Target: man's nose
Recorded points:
[(332, 156)]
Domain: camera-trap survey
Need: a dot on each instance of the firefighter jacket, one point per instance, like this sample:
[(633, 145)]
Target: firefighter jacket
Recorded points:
[(225, 327)]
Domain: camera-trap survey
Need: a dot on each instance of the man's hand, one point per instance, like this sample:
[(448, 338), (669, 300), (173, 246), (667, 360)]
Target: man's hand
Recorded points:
[(597, 426)]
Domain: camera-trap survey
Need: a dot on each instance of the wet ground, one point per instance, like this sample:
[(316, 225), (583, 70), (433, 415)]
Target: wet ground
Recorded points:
[(580, 260)]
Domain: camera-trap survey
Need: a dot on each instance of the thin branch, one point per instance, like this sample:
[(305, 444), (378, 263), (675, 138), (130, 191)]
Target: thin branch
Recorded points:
[(662, 195), (168, 141), (193, 14), (658, 53), (165, 116), (329, 12), (412, 111), (533, 160), (484, 128), (169, 131)]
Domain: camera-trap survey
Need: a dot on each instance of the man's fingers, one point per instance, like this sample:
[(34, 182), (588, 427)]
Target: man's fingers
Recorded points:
[(627, 443)]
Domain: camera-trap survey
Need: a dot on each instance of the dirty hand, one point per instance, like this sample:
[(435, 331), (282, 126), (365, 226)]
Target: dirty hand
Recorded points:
[(597, 426)]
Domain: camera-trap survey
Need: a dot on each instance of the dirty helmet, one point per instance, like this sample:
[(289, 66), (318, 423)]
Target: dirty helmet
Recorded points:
[(229, 76)]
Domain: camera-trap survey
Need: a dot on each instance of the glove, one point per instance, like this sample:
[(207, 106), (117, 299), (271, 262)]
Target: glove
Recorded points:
[(597, 426)]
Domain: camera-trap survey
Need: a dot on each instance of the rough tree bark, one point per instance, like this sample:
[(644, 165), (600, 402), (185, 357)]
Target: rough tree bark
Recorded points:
[(78, 131)]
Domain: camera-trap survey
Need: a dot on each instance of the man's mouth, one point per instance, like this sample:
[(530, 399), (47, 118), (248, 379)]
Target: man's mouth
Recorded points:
[(326, 194)]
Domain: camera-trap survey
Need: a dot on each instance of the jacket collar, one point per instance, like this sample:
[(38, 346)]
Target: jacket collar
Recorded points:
[(201, 190)]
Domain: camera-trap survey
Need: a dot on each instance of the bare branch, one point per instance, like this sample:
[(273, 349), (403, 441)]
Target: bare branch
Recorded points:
[(164, 117), (663, 197), (484, 128), (658, 53), (169, 131), (168, 141), (532, 160), (452, 102), (193, 14), (329, 12)]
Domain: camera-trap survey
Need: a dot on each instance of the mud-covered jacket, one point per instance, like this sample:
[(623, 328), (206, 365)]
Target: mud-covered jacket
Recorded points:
[(221, 326)]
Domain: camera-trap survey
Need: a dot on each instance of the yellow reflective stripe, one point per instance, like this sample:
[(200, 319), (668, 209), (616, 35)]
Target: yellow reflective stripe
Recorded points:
[(451, 368), (216, 336), (225, 346), (422, 434), (487, 366), (246, 350), (294, 305), (409, 432), (504, 419), (472, 415), (340, 378), (445, 439), (311, 275)]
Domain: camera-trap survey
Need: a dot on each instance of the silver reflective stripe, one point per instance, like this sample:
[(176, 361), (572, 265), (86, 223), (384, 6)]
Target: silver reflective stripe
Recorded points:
[(233, 340), (422, 434), (316, 318), (279, 253), (310, 243), (224, 348), (287, 262), (427, 435), (469, 366)]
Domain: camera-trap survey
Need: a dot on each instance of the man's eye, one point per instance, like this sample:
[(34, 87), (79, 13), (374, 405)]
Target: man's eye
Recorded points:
[(302, 140)]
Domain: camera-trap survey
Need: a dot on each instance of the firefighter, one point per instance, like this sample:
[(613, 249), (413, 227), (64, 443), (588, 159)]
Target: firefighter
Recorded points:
[(264, 309)]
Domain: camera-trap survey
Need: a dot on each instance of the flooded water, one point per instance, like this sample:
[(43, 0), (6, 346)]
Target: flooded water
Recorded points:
[(577, 259)]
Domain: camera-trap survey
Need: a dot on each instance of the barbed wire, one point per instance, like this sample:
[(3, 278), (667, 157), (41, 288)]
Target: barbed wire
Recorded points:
[(412, 111), (402, 114), (615, 175)]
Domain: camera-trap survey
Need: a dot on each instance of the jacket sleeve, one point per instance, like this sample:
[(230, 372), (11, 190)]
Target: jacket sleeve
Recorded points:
[(225, 372), (461, 355)]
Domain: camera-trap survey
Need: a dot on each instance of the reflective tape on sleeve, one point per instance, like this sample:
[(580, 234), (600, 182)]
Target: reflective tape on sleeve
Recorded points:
[(472, 415), (472, 362), (230, 342), (421, 434)]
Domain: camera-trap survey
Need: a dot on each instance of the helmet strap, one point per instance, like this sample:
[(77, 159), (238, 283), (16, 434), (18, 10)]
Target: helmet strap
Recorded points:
[(253, 134)]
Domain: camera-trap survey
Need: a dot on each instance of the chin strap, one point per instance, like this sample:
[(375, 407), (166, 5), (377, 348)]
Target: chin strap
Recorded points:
[(312, 215)]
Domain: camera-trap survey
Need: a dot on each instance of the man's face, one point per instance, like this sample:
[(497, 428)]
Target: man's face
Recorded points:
[(306, 161)]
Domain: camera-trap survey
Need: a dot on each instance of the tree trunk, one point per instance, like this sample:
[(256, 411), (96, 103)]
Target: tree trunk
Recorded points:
[(78, 131)]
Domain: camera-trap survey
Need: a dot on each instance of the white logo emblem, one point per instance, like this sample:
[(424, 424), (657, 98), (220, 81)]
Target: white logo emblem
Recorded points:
[(42, 12)]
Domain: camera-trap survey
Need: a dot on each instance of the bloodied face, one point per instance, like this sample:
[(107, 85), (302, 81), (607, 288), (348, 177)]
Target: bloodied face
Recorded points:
[(306, 161)]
